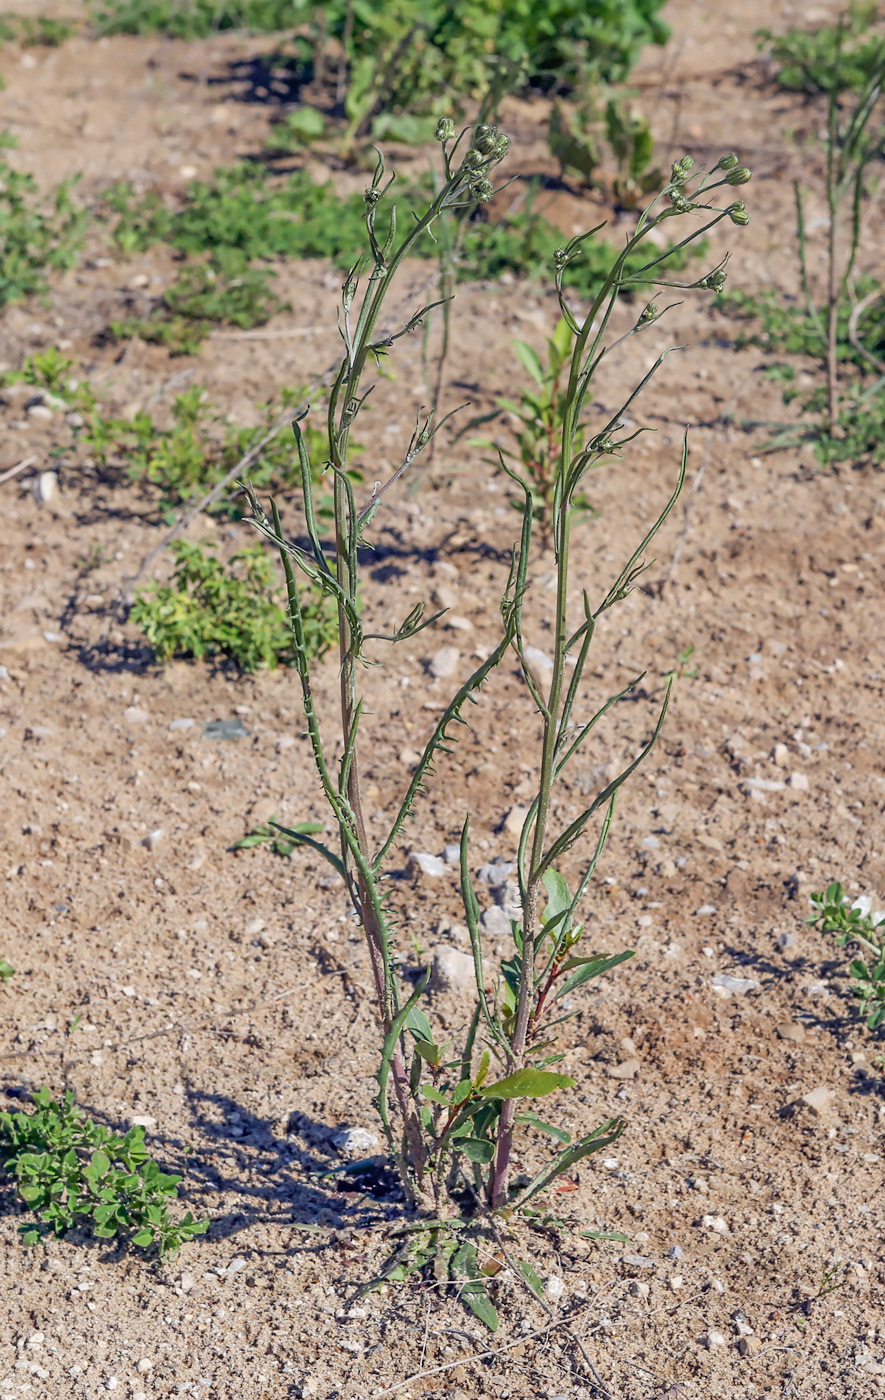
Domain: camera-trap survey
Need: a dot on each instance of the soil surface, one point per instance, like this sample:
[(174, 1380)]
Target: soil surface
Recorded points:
[(224, 997)]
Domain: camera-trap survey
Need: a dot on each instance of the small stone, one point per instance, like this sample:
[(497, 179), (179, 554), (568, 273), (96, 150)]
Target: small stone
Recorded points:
[(785, 941), (638, 1288), (427, 864), (153, 838), (496, 872), (781, 755), (285, 741), (651, 843), (142, 1120), (45, 486), (186, 1282), (451, 970), (554, 1288), (4, 673), (712, 1339), (627, 1069), (444, 663), (677, 1282), (53, 637), (727, 986), (495, 923), (452, 855), (353, 1142), (41, 412), (717, 1223), (133, 714), (675, 1252), (513, 822), (791, 1030), (409, 757), (637, 1261), (238, 1262), (748, 1346), (254, 927), (798, 782), (144, 1365), (459, 624), (764, 785), (817, 1099), (705, 909), (175, 724)]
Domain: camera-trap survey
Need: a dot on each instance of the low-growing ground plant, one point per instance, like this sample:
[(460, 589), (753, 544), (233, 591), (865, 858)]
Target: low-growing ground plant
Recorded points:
[(71, 1171), (6, 970), (229, 232), (451, 1108), (857, 924), (38, 233), (210, 608), (834, 58)]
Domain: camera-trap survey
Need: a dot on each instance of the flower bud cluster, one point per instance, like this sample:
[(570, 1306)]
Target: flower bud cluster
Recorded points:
[(445, 129), (680, 170), (714, 281), (650, 313), (738, 214), (489, 148)]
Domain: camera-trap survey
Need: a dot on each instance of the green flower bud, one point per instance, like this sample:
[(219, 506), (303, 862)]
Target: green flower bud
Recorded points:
[(727, 162), (738, 214), (714, 281), (473, 160), (680, 203), (372, 196), (560, 259), (650, 313), (482, 190), (445, 129), (740, 175), (686, 164), (484, 138), (501, 147)]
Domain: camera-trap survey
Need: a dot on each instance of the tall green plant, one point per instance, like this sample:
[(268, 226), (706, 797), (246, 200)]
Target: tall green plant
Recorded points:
[(450, 1112)]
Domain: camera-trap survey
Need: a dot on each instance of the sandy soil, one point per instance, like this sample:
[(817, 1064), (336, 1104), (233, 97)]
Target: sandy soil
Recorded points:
[(224, 996)]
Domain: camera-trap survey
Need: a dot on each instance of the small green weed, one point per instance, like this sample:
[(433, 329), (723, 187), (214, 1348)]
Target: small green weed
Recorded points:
[(68, 1169), (539, 419), (34, 31), (6, 970), (272, 835), (585, 142), (214, 609), (835, 58), (46, 369), (37, 234), (194, 19), (860, 924)]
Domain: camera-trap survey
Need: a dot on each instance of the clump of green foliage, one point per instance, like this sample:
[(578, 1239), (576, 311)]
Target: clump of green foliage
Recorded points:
[(195, 19), (863, 926), (33, 31), (582, 141), (70, 1170), (6, 970), (833, 58), (37, 234), (229, 230), (211, 608)]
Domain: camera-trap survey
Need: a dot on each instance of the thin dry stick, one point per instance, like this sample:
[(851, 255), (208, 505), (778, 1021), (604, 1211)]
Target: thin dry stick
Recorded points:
[(19, 467), (290, 334), (477, 1356)]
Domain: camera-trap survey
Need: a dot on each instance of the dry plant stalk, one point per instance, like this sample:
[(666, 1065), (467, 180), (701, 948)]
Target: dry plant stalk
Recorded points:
[(450, 1114)]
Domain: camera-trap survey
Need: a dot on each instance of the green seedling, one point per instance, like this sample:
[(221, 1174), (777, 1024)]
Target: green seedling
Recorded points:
[(38, 235), (6, 970), (70, 1170), (861, 925), (835, 58), (272, 835)]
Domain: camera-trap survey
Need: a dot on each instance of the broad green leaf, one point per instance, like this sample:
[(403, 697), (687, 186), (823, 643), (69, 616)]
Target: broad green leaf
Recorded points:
[(530, 361), (30, 1193), (477, 1149), (591, 967), (428, 1052), (434, 1095), (418, 1024), (462, 1092), (483, 1068), (473, 1290), (144, 1237), (527, 1084), (100, 1162), (558, 896), (605, 1235)]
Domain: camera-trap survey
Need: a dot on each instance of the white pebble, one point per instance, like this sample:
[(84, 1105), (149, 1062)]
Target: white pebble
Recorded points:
[(554, 1288), (712, 1339), (45, 486), (428, 864), (354, 1142), (144, 1365), (452, 970), (444, 663), (181, 724), (717, 1223), (727, 986)]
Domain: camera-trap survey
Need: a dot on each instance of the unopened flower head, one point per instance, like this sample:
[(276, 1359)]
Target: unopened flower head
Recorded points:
[(445, 129), (740, 175), (650, 313), (738, 214), (482, 190), (484, 138), (372, 196), (501, 146), (714, 281), (681, 203), (728, 161)]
